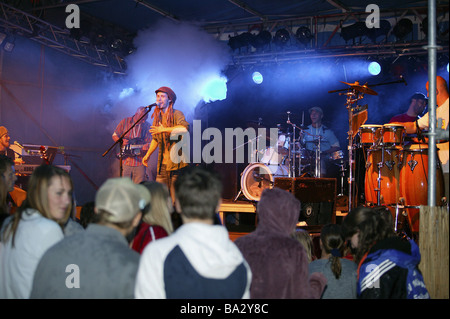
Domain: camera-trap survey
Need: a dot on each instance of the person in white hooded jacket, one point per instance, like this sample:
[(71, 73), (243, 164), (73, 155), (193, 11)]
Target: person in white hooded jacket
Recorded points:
[(198, 261)]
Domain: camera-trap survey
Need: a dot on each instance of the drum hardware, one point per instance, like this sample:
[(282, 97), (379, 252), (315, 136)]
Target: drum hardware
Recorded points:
[(254, 179), (354, 93), (254, 158), (412, 164), (342, 176)]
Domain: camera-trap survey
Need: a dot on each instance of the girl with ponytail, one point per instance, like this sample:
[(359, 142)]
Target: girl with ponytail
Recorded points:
[(340, 273)]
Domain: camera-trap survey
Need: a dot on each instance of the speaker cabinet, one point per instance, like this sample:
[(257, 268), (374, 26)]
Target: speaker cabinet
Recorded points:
[(317, 197)]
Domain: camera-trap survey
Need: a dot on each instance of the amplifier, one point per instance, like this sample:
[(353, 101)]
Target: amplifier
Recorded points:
[(317, 197)]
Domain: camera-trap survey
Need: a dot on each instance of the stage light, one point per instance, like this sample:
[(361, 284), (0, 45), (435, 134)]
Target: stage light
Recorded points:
[(303, 35), (281, 37), (374, 68), (240, 41), (257, 77), (353, 31), (403, 28), (215, 89), (262, 39)]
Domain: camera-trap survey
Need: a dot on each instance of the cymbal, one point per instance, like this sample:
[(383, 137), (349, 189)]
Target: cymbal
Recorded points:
[(361, 88)]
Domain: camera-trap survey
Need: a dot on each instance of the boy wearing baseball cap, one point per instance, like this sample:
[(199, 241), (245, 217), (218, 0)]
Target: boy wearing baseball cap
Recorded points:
[(97, 263)]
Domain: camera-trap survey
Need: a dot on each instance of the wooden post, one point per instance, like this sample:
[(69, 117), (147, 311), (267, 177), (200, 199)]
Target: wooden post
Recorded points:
[(434, 249)]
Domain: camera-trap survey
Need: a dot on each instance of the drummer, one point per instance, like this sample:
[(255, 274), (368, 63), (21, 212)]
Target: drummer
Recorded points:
[(442, 116), (318, 135)]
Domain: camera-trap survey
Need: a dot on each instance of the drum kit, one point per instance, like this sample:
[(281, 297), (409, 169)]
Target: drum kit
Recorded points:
[(286, 157)]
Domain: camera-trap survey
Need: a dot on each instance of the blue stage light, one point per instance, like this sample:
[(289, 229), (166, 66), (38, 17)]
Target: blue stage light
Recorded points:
[(257, 77), (374, 68), (215, 89)]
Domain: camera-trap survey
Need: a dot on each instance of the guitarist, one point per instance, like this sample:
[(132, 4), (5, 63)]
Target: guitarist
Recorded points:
[(135, 144)]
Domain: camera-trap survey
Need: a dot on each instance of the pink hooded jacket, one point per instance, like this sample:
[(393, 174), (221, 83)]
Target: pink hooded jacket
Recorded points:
[(278, 262)]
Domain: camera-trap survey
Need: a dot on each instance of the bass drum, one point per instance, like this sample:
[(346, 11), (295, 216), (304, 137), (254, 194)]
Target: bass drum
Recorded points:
[(255, 178)]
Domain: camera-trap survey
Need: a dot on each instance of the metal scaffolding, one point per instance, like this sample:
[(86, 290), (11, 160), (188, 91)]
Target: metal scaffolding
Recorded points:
[(59, 39)]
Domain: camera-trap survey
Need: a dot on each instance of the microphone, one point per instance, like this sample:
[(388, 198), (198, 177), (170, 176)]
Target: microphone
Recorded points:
[(18, 144), (151, 105)]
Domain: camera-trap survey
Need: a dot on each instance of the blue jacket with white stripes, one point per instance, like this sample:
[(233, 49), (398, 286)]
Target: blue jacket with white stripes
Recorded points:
[(390, 271)]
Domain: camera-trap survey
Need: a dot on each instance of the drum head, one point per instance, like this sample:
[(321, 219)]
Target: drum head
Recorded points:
[(256, 178)]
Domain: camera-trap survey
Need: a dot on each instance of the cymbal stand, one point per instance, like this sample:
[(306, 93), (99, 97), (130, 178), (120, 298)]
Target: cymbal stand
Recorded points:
[(291, 151), (318, 163), (380, 167), (352, 98), (342, 171)]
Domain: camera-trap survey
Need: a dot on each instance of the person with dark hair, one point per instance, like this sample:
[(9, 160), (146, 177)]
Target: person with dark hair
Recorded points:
[(340, 273), (97, 263), (197, 261), (442, 118), (87, 214), (278, 262), (169, 127), (7, 173), (417, 104), (134, 144), (36, 226), (387, 264)]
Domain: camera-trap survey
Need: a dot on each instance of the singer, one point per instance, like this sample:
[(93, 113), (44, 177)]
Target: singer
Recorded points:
[(169, 126), (134, 145)]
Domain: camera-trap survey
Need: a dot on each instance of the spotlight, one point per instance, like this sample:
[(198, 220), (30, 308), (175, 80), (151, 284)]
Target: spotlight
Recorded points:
[(303, 35), (281, 37), (257, 77), (240, 41), (383, 30), (403, 28), (353, 31), (374, 68), (262, 39)]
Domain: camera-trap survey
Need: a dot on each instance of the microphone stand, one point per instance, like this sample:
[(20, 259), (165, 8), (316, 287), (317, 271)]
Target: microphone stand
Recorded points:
[(120, 140)]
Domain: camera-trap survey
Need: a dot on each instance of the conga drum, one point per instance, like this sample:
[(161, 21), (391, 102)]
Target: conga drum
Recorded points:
[(389, 176), (414, 181), (370, 135), (393, 135)]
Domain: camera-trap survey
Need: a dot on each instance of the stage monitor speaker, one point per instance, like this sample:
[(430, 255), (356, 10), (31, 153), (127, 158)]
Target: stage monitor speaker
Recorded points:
[(229, 176), (317, 197)]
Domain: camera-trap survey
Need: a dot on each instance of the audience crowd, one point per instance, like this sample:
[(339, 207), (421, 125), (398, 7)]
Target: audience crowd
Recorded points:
[(128, 234)]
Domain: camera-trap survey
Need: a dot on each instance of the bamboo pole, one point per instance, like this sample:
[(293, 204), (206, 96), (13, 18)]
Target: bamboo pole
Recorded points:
[(434, 249)]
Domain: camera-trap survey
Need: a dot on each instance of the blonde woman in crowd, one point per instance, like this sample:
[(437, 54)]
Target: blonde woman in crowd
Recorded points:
[(36, 226)]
